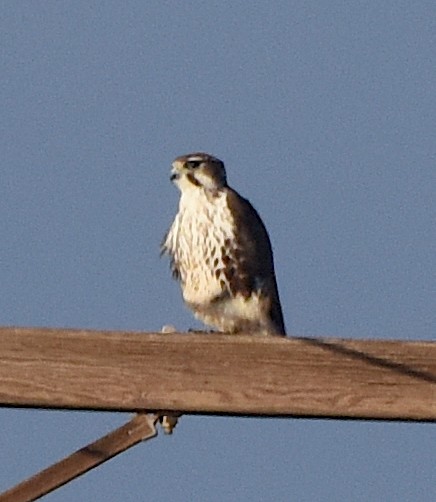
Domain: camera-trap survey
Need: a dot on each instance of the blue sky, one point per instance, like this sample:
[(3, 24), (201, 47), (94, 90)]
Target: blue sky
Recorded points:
[(324, 113)]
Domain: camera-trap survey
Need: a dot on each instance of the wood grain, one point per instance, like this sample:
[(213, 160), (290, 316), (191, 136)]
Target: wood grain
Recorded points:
[(218, 374)]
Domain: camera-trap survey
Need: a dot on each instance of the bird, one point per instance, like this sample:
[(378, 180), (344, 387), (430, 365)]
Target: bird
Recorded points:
[(220, 252)]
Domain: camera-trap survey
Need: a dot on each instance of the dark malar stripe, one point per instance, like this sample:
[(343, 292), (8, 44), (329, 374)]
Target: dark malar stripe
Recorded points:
[(193, 180)]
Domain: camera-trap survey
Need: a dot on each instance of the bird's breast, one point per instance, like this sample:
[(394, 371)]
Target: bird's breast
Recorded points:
[(203, 230)]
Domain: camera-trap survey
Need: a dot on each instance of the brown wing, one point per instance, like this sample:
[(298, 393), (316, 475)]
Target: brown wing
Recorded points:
[(249, 262)]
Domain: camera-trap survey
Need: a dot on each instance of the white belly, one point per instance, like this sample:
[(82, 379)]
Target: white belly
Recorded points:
[(197, 242)]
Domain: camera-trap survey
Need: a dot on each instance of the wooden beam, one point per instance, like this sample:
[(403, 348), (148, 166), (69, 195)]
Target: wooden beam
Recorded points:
[(218, 374), (138, 429)]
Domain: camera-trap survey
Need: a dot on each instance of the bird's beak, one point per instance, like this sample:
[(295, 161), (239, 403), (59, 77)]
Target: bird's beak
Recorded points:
[(175, 171)]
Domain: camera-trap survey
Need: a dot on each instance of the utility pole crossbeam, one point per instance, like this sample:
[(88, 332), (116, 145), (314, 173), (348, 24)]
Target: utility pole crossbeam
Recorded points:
[(218, 374)]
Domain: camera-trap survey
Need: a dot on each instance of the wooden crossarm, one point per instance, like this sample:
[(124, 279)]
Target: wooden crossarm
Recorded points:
[(218, 374)]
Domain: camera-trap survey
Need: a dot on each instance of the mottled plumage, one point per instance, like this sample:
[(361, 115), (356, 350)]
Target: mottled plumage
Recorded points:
[(220, 251)]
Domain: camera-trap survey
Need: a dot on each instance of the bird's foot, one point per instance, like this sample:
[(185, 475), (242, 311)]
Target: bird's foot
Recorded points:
[(169, 422)]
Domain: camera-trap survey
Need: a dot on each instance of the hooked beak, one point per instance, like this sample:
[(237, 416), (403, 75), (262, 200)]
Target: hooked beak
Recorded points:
[(175, 171)]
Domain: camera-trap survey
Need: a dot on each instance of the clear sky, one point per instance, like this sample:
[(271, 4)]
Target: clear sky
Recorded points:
[(324, 113)]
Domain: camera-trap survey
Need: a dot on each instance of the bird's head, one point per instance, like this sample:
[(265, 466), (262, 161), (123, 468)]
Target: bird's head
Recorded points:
[(198, 170)]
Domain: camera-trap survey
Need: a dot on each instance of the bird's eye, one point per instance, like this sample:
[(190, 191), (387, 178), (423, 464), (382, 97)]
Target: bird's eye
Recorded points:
[(193, 163)]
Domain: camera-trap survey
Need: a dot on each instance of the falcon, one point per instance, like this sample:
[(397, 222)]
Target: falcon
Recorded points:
[(220, 251)]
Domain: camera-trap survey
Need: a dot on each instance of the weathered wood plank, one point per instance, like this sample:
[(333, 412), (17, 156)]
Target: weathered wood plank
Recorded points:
[(214, 373)]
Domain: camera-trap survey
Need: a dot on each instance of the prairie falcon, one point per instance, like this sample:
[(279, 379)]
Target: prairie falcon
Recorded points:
[(220, 251)]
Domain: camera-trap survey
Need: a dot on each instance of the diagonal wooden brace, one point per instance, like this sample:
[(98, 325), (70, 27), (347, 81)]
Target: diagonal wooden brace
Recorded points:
[(140, 428)]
